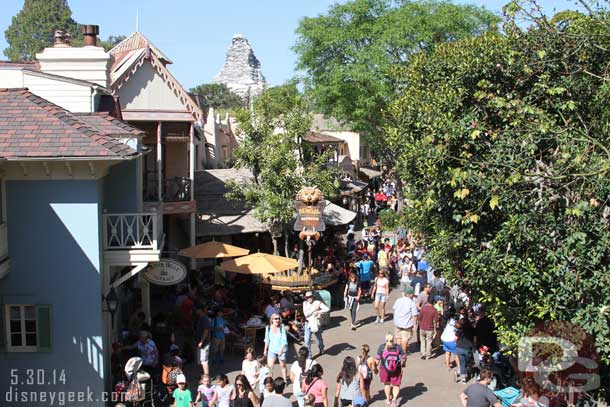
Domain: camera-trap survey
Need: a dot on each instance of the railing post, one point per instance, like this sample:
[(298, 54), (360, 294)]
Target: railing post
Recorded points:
[(105, 230)]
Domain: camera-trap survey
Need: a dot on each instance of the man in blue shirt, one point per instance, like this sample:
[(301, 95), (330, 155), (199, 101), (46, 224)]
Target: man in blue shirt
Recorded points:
[(365, 273)]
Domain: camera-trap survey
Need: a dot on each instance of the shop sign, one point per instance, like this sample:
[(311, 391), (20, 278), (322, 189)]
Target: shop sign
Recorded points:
[(165, 272), (309, 206)]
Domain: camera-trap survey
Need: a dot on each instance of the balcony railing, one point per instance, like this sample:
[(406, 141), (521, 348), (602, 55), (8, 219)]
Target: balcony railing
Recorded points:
[(131, 231), (3, 242), (176, 189)]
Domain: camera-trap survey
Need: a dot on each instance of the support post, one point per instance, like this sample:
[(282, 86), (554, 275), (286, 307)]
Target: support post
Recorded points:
[(193, 237), (159, 163)]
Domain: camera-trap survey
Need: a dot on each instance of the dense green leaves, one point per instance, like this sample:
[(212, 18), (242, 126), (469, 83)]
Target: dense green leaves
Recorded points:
[(348, 53), (504, 146), (32, 29), (218, 96), (271, 149)]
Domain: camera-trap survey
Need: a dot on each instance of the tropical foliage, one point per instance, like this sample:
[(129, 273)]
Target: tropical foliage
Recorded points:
[(504, 143)]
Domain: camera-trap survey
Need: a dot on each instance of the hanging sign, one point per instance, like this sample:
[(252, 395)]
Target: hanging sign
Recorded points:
[(309, 205), (165, 272)]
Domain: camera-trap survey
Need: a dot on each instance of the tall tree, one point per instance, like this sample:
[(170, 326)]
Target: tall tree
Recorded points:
[(218, 96), (503, 141), (32, 29), (271, 150), (349, 53)]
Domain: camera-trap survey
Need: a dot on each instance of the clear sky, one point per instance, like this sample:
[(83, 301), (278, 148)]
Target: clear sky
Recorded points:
[(196, 33)]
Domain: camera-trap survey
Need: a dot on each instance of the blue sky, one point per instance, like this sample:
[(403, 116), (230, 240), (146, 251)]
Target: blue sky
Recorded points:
[(196, 33)]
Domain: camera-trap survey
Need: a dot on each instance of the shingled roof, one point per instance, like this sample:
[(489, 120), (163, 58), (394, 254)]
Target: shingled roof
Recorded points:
[(110, 126), (33, 127)]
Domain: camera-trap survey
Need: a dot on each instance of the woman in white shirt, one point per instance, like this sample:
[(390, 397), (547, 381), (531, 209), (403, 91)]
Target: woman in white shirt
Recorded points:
[(381, 289)]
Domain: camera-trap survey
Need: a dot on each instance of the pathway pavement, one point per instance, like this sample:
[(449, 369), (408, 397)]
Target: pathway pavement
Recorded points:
[(425, 382)]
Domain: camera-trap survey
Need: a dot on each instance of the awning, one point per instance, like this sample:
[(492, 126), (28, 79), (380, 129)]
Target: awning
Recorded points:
[(335, 215), (371, 173), (223, 225), (353, 187)]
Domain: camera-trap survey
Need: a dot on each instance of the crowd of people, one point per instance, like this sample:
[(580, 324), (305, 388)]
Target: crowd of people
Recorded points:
[(429, 311)]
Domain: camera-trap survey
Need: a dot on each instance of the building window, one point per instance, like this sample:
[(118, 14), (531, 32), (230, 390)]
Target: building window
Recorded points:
[(28, 327)]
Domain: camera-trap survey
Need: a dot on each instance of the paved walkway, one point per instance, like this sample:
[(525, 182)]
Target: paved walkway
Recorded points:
[(425, 382)]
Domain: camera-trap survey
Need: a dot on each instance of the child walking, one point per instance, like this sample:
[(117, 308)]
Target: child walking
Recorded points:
[(250, 368), (205, 392), (366, 368), (182, 395)]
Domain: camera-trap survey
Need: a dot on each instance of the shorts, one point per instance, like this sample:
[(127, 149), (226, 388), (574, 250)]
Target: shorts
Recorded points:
[(275, 356), (365, 285), (380, 297), (392, 379), (449, 347), (403, 334), (204, 354)]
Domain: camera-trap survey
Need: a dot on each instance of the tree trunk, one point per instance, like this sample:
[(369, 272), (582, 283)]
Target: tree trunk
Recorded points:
[(399, 194), (286, 250), (276, 252)]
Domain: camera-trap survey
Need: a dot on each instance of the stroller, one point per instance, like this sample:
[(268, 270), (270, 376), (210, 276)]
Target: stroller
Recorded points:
[(137, 388)]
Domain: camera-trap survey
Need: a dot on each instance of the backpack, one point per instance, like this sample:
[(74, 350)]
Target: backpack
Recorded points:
[(369, 372), (391, 360)]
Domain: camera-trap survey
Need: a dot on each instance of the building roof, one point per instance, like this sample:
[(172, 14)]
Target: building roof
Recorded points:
[(135, 41), (32, 65), (210, 190), (33, 127), (129, 56), (109, 125), (321, 138)]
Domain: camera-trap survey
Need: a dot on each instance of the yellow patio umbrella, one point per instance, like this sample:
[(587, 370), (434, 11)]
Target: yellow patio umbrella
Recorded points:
[(213, 250), (259, 263)]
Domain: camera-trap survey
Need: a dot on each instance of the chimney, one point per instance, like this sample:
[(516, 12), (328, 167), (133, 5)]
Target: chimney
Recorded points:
[(90, 33), (90, 63), (59, 38)]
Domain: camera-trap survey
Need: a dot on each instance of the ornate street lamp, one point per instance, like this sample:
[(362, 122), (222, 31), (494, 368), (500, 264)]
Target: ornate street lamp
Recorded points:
[(111, 300)]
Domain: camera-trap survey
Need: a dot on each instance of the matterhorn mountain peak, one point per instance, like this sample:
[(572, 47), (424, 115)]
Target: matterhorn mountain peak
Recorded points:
[(242, 70)]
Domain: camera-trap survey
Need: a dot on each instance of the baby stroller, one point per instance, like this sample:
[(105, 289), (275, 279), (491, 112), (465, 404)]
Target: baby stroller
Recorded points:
[(504, 374), (137, 388)]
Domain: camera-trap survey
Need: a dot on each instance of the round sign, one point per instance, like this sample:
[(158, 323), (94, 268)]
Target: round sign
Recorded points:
[(165, 272)]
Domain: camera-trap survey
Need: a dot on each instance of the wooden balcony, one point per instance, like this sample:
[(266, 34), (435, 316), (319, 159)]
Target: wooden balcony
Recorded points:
[(4, 259), (132, 238), (175, 196)]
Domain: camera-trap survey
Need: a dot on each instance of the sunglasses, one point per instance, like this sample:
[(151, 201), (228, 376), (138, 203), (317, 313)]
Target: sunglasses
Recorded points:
[(276, 319), (239, 384)]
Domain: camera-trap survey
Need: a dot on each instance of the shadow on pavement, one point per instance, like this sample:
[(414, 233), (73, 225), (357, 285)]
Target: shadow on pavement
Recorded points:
[(338, 348), (410, 392)]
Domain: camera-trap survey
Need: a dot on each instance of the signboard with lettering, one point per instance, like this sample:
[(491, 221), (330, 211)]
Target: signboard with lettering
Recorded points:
[(165, 272), (309, 205)]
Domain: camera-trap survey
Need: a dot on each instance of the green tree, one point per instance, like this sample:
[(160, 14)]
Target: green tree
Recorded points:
[(218, 96), (110, 42), (32, 29), (503, 141), (348, 54), (271, 150)]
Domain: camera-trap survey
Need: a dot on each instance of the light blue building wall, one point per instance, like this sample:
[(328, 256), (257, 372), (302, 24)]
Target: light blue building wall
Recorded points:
[(54, 235), (121, 192)]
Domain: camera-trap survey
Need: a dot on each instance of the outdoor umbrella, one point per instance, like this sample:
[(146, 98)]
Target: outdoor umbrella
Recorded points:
[(213, 250), (259, 263)]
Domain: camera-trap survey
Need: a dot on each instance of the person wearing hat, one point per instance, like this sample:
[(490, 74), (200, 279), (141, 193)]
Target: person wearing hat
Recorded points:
[(312, 309), (405, 318), (182, 396)]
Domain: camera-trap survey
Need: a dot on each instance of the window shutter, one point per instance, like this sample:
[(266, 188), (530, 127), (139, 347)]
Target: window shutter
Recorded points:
[(43, 315)]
